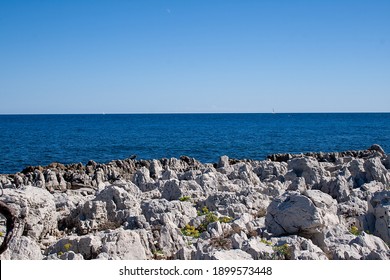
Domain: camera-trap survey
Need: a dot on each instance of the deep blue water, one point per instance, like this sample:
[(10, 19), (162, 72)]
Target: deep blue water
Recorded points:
[(42, 139)]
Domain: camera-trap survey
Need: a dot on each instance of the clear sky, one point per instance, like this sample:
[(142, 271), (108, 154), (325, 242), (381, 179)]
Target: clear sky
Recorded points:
[(91, 56)]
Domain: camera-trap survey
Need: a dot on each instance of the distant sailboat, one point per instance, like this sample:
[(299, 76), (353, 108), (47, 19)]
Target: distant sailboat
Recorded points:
[(273, 111)]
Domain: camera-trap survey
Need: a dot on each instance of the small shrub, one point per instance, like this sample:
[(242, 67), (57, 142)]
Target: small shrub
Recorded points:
[(158, 255), (190, 231), (354, 230), (209, 218), (67, 246), (225, 219), (283, 250), (185, 198), (266, 242), (203, 211)]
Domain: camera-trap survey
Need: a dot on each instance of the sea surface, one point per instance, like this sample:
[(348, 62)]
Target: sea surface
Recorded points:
[(41, 139)]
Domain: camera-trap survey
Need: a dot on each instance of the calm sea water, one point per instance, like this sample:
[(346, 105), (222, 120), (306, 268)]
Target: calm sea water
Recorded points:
[(42, 139)]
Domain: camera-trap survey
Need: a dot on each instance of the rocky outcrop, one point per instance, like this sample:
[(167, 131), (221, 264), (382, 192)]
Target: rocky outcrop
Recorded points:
[(311, 206)]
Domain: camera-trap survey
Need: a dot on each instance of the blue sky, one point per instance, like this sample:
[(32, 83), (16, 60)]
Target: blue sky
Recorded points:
[(194, 56)]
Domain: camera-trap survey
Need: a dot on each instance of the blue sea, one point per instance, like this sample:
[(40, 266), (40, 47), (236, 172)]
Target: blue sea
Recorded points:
[(41, 139)]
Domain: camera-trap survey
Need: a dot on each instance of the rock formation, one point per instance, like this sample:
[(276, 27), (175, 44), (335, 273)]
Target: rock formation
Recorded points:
[(311, 206)]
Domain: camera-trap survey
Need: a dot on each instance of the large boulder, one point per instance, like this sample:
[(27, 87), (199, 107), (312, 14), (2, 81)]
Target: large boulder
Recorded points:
[(111, 208), (35, 210), (305, 215)]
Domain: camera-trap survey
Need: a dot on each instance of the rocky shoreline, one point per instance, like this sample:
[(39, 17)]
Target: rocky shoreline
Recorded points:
[(307, 206)]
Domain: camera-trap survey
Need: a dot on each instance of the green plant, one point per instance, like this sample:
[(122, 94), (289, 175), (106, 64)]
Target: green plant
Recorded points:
[(185, 198), (67, 246), (60, 253), (225, 219), (209, 218), (354, 230), (158, 254), (266, 242), (1, 234), (203, 211), (189, 230), (282, 250)]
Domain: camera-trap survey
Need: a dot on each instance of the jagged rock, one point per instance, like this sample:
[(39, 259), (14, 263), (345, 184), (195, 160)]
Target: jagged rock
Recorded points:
[(358, 174), (269, 170), (180, 213), (215, 229), (171, 190), (299, 248), (257, 249), (155, 169), (240, 224), (170, 239), (338, 187), (231, 255), (305, 207), (293, 213), (110, 209), (89, 246), (376, 171), (308, 168), (35, 209), (22, 248), (386, 162), (142, 179), (124, 245), (379, 206), (223, 162), (238, 240)]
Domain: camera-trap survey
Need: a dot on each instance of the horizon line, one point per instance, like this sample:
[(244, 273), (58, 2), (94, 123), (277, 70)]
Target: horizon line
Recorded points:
[(196, 113)]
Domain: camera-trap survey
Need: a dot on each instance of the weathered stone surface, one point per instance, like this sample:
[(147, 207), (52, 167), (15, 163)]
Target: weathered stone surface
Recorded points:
[(22, 248), (293, 213), (313, 206), (110, 209), (257, 249), (231, 255), (124, 245), (379, 206)]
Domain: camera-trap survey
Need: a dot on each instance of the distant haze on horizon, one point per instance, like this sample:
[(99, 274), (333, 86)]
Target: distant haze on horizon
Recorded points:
[(72, 57)]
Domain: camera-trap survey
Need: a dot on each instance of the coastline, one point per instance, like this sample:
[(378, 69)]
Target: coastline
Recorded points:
[(303, 206)]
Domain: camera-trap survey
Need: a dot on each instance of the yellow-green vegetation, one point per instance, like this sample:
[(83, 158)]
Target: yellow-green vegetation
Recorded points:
[(354, 230), (60, 253), (209, 218), (225, 219), (203, 211), (1, 234), (185, 198), (190, 231), (266, 242), (158, 255), (67, 246), (282, 250)]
